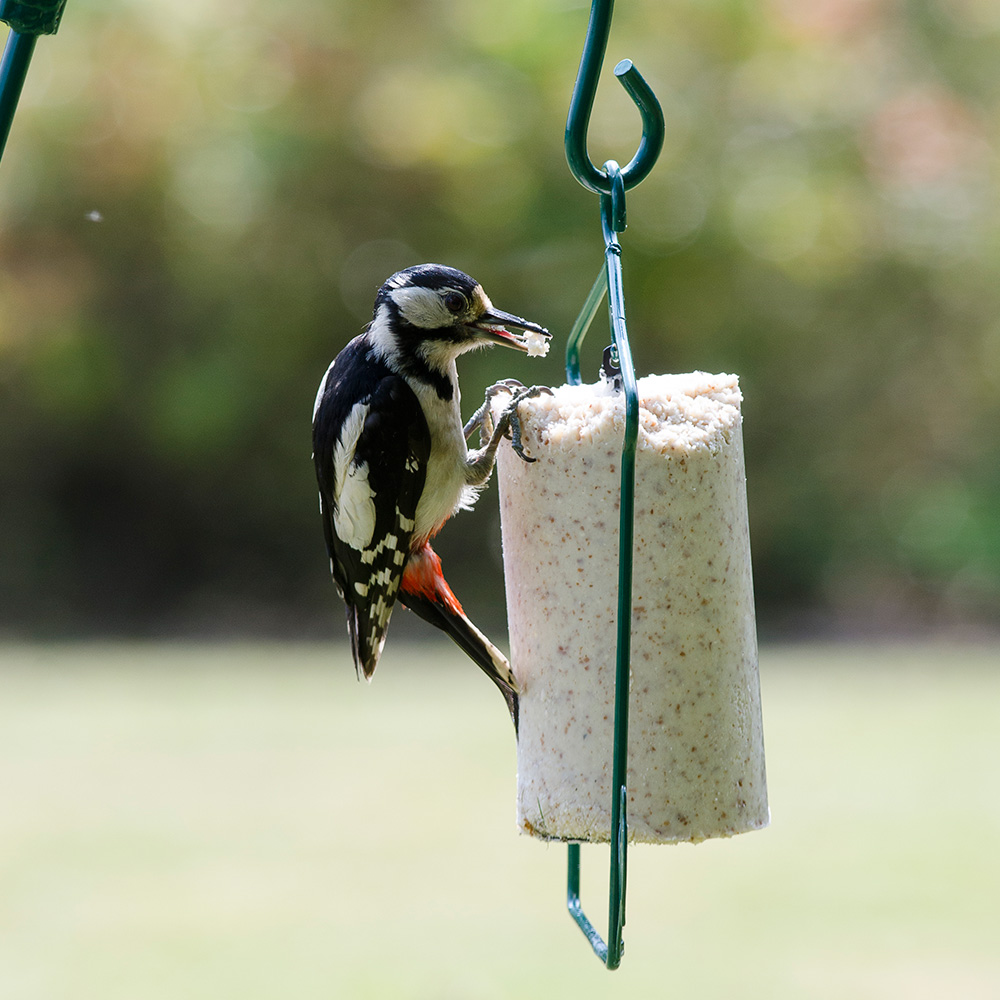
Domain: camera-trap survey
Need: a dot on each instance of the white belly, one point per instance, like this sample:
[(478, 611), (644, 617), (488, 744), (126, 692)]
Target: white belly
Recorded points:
[(445, 486)]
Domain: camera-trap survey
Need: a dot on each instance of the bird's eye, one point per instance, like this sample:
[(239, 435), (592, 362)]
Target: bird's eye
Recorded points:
[(454, 302)]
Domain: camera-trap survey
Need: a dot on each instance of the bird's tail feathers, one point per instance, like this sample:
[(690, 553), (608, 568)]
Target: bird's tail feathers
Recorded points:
[(366, 641), (425, 591)]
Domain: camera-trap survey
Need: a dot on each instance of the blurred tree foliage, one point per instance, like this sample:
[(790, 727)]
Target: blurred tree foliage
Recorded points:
[(199, 200)]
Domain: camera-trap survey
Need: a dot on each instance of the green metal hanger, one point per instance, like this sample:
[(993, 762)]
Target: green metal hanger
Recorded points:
[(582, 103), (611, 183), (27, 20)]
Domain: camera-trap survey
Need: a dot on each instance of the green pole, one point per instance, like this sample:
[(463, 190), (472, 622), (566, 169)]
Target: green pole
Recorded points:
[(27, 20)]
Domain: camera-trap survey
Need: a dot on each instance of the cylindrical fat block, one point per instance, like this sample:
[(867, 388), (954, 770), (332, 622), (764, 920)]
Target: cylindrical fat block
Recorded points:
[(696, 752)]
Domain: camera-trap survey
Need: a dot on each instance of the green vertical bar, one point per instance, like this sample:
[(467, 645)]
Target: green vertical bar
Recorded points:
[(610, 280), (619, 767), (27, 19), (13, 69)]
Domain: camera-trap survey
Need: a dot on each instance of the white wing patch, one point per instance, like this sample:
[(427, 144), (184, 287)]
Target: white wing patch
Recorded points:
[(354, 509), (321, 390)]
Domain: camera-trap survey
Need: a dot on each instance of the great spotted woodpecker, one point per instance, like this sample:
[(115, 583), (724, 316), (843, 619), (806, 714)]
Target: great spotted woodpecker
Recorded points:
[(391, 457)]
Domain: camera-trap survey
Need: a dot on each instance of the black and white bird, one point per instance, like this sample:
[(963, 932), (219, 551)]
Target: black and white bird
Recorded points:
[(391, 457)]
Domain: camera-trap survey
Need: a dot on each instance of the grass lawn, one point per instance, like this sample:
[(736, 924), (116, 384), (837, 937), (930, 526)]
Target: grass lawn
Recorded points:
[(250, 822)]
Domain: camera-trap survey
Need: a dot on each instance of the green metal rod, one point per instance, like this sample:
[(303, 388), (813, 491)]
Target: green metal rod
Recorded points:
[(610, 953), (27, 20), (575, 907), (611, 184), (13, 69), (619, 767), (582, 325)]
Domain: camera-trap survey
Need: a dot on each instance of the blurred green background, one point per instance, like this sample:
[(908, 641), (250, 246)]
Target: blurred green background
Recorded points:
[(199, 200)]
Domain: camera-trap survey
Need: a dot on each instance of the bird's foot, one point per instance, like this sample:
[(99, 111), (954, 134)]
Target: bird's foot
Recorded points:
[(507, 424), (513, 419), (483, 417)]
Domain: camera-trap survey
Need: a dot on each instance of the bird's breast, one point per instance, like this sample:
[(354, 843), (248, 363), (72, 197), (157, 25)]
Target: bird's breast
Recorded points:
[(445, 487)]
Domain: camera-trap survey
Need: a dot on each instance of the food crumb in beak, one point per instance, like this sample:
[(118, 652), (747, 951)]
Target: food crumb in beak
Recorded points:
[(537, 344)]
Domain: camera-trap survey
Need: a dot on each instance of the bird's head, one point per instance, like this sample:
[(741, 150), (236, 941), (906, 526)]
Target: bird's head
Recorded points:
[(449, 313)]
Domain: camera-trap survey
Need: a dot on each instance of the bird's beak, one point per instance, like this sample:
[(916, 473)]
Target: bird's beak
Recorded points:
[(495, 325)]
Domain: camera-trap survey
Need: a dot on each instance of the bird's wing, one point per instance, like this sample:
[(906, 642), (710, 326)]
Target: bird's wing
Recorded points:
[(371, 476)]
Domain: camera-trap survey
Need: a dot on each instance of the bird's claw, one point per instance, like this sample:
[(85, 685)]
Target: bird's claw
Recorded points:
[(505, 384), (513, 421), (483, 417)]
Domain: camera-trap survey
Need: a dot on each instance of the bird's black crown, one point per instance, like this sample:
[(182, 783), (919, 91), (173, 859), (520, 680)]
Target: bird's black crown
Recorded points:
[(435, 276)]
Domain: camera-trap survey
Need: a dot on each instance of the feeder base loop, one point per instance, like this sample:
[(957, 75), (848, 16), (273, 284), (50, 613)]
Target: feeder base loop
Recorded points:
[(696, 752)]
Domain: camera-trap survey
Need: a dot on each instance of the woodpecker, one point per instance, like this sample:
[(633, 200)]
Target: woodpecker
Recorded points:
[(392, 462)]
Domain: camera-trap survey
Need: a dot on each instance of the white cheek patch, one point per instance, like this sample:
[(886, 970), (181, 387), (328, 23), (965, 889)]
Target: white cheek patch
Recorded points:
[(422, 307), (354, 510)]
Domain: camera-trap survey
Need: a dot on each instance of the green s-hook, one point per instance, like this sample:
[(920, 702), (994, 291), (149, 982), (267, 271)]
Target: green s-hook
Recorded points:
[(582, 103)]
